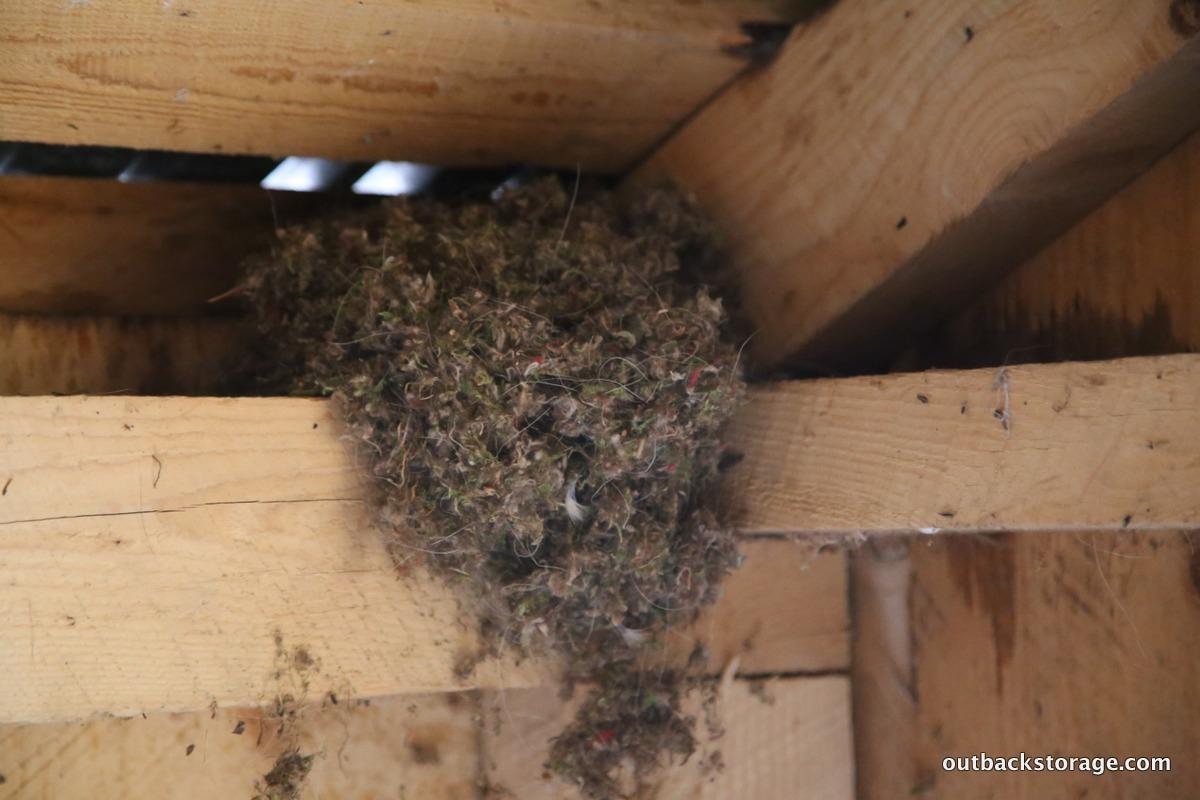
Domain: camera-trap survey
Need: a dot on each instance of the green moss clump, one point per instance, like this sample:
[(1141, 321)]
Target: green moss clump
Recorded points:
[(538, 392)]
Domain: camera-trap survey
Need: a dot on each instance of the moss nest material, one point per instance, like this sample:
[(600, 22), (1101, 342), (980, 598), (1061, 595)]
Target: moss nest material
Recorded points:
[(538, 386)]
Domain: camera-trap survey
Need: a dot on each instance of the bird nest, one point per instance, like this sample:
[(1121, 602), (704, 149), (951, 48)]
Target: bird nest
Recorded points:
[(538, 387)]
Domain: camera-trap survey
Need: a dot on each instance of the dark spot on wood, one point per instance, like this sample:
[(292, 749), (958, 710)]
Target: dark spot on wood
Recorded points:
[(190, 749), (158, 468), (901, 223), (985, 569), (924, 398), (73, 127), (117, 541), (4, 491), (760, 41), (1185, 17), (70, 621), (316, 425), (424, 747), (301, 658), (730, 459), (185, 13), (270, 75), (908, 14), (963, 409), (997, 332), (240, 728), (1195, 568), (1097, 380), (947, 514), (333, 698), (380, 84), (1127, 519), (969, 33), (386, 33)]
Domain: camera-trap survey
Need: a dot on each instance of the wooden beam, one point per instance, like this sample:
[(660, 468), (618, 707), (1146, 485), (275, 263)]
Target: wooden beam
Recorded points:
[(785, 610), (1069, 644), (424, 746), (896, 157), (778, 735), (165, 554), (1102, 445), (1122, 282), (882, 674), (51, 354), (104, 247), (1078, 642), (157, 548), (460, 82)]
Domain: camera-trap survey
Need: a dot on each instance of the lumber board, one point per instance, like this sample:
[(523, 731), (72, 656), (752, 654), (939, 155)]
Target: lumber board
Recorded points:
[(166, 554), (778, 736), (882, 673), (1080, 642), (785, 610), (1067, 643), (1072, 446), (422, 746), (106, 247), (459, 82), (43, 354), (896, 158), (1122, 282), (157, 548)]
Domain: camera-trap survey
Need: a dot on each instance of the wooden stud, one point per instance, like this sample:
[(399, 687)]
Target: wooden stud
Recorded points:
[(167, 553), (778, 736), (1103, 445), (50, 354), (104, 247), (897, 157), (459, 82), (423, 746), (1123, 282), (1067, 644)]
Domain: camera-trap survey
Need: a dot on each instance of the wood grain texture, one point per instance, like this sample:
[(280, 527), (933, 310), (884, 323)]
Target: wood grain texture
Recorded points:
[(780, 737), (1077, 642), (105, 247), (1066, 643), (155, 547), (419, 746), (48, 354), (1100, 445), (883, 670), (898, 156), (1124, 281), (785, 610), (158, 550), (460, 82)]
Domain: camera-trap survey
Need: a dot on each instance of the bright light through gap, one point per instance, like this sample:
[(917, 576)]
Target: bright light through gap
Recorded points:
[(295, 174), (391, 178)]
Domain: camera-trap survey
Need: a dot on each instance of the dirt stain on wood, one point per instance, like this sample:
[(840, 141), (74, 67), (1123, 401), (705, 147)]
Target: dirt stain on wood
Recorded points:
[(984, 569)]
